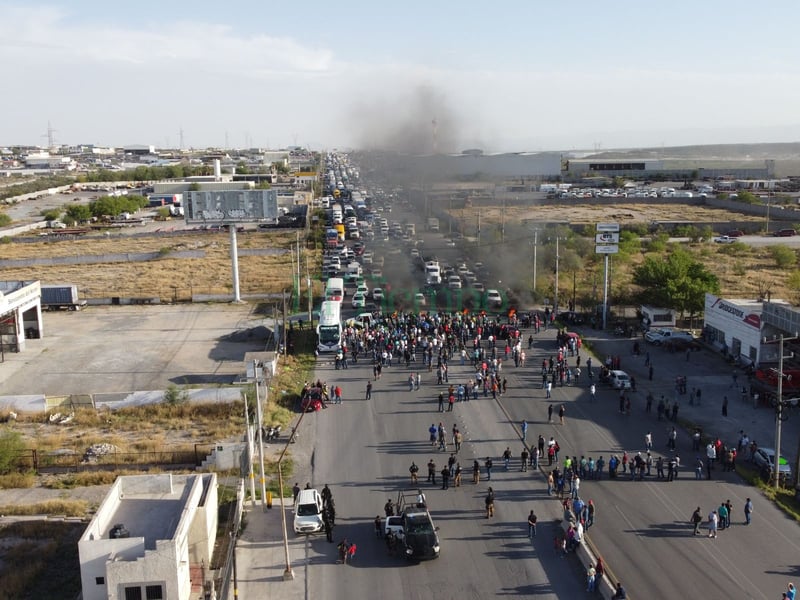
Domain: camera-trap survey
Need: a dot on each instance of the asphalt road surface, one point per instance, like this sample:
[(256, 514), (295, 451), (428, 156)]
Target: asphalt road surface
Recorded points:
[(363, 450)]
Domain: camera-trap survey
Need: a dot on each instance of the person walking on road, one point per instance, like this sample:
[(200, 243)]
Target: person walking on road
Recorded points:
[(524, 428), (561, 412), (648, 441), (724, 406), (748, 511), (445, 478), (524, 458), (506, 458), (441, 402), (592, 391), (369, 390), (550, 413), (488, 465)]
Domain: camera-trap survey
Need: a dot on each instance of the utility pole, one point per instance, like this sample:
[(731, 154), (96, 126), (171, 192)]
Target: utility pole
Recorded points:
[(259, 430), (250, 473), (555, 295), (535, 245)]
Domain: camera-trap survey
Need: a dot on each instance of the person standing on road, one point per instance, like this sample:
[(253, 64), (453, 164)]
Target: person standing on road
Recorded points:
[(532, 525), (457, 477), (432, 472), (713, 521), (441, 402), (296, 490), (413, 469), (476, 471), (488, 465), (592, 391), (524, 458), (524, 428), (550, 413), (696, 519), (748, 511), (506, 458), (561, 412), (489, 502), (432, 430), (445, 478), (619, 593), (548, 388), (724, 406), (648, 441)]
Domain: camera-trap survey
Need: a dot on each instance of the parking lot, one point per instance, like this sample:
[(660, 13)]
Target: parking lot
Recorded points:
[(121, 349)]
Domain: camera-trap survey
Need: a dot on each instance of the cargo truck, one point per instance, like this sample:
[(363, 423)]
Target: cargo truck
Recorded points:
[(55, 297), (433, 224)]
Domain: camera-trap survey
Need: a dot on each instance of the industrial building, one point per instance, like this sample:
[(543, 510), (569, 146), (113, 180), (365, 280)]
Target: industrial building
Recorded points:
[(152, 538), (20, 313)]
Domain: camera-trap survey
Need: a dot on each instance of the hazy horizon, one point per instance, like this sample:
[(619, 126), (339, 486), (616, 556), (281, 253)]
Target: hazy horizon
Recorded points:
[(417, 78)]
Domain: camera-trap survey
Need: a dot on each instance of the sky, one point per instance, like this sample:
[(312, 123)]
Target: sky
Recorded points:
[(511, 76)]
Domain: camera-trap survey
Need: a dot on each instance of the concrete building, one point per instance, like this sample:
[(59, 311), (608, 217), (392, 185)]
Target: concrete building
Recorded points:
[(647, 168), (20, 310), (736, 327), (151, 538)]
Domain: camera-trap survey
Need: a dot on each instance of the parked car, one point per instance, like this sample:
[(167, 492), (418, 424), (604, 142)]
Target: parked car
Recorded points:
[(661, 336), (764, 459), (308, 512), (785, 233), (312, 400)]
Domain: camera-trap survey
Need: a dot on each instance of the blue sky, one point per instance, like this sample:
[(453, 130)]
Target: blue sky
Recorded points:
[(505, 76)]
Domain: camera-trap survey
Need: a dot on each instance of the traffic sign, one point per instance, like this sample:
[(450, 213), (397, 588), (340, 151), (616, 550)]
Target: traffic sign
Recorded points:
[(606, 249), (607, 238), (608, 227)]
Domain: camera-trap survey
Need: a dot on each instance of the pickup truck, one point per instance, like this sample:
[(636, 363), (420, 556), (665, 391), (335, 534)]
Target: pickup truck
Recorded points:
[(414, 528), (668, 336)]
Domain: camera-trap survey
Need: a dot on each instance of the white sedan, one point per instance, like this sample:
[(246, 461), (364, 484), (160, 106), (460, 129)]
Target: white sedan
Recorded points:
[(724, 239), (377, 294)]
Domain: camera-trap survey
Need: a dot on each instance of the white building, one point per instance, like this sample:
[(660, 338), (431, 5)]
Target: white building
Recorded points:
[(20, 311), (735, 327), (151, 538)]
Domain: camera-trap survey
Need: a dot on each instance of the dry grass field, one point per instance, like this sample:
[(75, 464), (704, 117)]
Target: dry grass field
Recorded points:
[(744, 271), (168, 277)]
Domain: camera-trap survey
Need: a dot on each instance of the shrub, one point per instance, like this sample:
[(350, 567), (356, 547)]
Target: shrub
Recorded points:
[(783, 256)]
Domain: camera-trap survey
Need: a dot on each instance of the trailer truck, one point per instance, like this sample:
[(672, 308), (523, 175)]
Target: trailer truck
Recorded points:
[(55, 297)]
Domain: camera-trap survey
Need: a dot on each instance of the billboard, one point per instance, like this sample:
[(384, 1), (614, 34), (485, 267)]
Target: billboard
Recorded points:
[(231, 206)]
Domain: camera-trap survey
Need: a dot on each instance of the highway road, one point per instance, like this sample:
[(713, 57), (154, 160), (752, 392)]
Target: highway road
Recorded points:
[(363, 449)]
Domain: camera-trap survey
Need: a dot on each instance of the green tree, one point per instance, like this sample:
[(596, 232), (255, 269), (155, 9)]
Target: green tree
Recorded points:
[(678, 282), (11, 445), (5, 220), (78, 213), (51, 214)]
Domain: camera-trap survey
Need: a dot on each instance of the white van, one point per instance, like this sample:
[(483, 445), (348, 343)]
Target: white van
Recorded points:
[(308, 512)]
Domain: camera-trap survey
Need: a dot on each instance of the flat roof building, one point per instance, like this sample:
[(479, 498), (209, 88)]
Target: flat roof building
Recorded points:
[(151, 538)]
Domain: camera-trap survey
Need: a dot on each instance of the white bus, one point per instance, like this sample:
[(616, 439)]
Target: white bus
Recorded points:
[(329, 330), (334, 289)]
